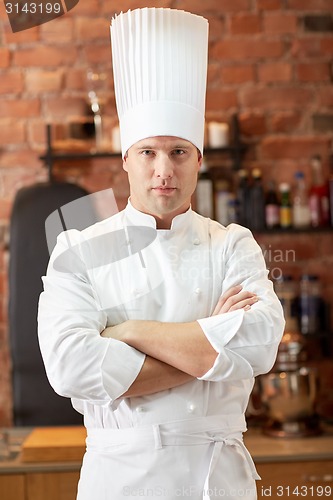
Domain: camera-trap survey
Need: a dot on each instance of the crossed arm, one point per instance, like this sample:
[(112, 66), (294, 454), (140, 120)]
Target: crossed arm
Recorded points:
[(175, 352)]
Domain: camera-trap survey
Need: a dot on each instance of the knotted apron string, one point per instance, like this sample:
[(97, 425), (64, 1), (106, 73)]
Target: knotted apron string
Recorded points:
[(219, 442)]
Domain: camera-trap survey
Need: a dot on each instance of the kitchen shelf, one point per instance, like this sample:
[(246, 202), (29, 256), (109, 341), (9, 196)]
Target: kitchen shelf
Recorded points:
[(52, 155), (292, 230)]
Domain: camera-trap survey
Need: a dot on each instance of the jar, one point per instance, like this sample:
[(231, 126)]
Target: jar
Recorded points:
[(310, 304)]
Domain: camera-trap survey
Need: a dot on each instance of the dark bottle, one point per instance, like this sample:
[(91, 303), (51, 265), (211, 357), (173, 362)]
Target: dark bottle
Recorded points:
[(318, 196), (257, 202), (310, 304), (242, 198), (272, 208), (330, 186)]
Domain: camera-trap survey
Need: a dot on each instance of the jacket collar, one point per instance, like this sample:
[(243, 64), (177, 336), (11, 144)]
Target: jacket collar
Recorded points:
[(138, 218)]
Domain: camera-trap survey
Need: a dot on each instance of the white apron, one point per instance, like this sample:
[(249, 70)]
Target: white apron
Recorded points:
[(210, 456)]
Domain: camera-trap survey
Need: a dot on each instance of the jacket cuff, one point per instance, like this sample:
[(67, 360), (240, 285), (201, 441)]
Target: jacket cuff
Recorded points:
[(120, 367)]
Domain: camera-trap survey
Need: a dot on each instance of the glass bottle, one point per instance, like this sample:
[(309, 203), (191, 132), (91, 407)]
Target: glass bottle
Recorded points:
[(286, 289), (272, 208), (204, 194), (242, 198), (222, 197), (257, 202), (300, 207), (285, 205), (310, 304), (330, 185), (318, 196)]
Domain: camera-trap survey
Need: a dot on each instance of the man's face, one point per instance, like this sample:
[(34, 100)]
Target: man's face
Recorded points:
[(162, 173)]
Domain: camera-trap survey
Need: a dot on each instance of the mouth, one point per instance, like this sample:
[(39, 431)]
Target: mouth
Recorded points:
[(164, 190)]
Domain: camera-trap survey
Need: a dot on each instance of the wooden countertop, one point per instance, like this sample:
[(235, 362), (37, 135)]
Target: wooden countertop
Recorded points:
[(264, 449)]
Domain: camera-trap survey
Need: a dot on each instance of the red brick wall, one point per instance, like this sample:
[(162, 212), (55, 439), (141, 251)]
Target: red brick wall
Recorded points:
[(270, 61)]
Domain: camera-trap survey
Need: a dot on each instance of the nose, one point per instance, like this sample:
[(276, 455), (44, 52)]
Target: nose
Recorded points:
[(163, 167)]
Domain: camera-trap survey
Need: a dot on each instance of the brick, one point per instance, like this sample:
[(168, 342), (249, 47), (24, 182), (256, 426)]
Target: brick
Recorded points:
[(98, 54), (213, 73), (268, 4), (22, 108), (19, 158), (75, 79), (322, 122), (11, 82), (245, 24), (218, 99), (306, 47), (92, 29), (250, 48), (3, 13), (277, 98), (280, 23), (11, 132), (318, 23), (216, 27), (316, 5), (44, 81), (313, 72), (237, 74), (20, 37), (18, 177), (294, 147), (91, 7), (59, 30), (285, 122), (65, 107), (326, 46), (4, 57), (252, 124), (37, 133), (109, 7), (198, 6), (44, 55), (275, 72), (325, 96)]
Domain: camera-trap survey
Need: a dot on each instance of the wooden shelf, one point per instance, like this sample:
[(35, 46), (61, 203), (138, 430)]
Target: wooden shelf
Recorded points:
[(52, 155)]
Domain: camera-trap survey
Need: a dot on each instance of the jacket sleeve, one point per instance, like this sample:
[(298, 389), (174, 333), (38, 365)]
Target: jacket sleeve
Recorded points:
[(79, 362), (246, 341)]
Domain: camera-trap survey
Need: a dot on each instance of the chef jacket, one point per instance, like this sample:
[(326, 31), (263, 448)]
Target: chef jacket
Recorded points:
[(123, 268)]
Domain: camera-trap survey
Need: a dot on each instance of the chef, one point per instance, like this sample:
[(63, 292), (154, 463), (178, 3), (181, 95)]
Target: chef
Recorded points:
[(156, 320)]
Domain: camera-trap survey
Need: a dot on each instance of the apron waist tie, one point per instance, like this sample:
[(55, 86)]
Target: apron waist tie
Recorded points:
[(205, 430)]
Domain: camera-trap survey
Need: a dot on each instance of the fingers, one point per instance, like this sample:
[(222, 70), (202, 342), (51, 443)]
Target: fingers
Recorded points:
[(222, 300), (235, 299)]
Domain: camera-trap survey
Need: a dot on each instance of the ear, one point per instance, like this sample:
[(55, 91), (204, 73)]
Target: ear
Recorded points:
[(125, 164), (200, 158)]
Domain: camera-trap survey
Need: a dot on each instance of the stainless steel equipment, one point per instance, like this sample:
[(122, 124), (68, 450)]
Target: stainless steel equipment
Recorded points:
[(289, 401)]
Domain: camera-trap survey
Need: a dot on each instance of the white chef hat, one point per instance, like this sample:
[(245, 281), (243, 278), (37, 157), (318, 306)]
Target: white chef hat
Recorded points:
[(160, 70)]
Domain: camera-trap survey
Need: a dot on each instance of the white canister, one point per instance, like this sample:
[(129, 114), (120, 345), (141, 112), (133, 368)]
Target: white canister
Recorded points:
[(218, 134)]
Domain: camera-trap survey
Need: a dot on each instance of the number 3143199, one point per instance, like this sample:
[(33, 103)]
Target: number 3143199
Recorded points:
[(33, 8), (304, 491)]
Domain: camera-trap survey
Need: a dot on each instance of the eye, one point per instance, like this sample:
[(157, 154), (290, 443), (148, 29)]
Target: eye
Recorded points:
[(146, 152), (178, 152)]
